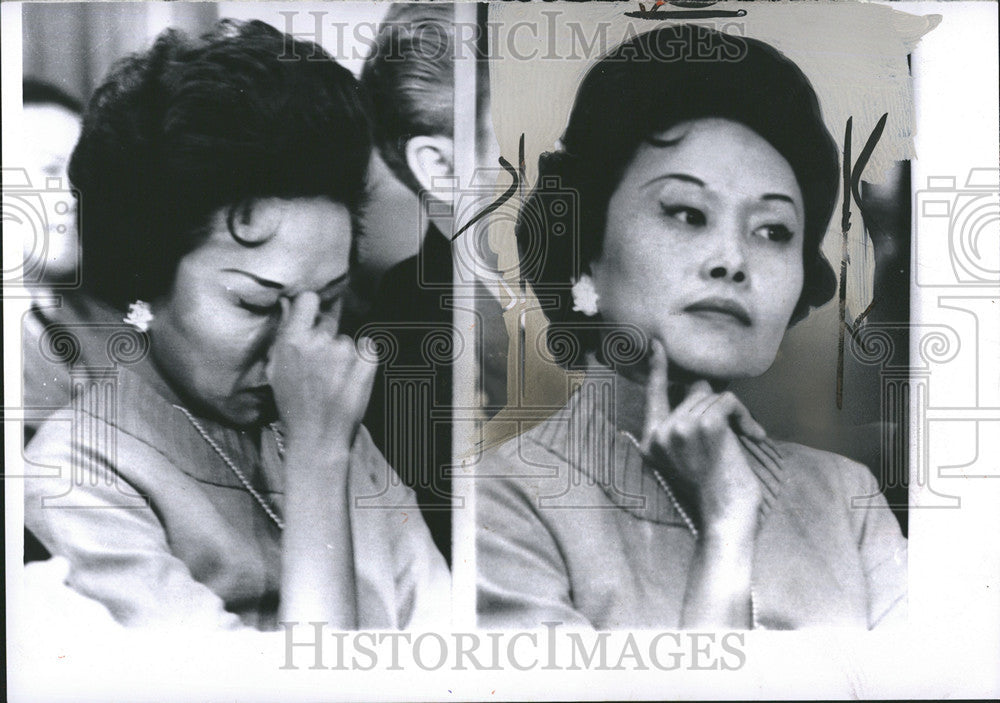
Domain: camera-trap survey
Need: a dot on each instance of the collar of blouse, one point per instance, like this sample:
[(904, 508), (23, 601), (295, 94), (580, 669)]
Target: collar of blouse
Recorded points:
[(598, 441)]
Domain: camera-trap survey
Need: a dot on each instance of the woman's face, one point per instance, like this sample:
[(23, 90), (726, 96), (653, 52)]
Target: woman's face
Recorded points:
[(212, 333), (703, 248)]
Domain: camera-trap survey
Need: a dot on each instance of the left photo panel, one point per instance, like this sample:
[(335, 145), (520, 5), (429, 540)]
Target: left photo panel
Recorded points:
[(240, 364)]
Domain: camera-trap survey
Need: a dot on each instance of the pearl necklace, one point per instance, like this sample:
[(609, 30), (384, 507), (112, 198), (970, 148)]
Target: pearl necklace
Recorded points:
[(666, 488), (264, 503), (687, 519)]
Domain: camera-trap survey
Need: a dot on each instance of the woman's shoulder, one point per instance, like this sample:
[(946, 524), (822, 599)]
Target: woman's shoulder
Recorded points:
[(574, 459), (824, 478), (513, 435), (119, 399), (800, 459), (529, 454), (109, 412)]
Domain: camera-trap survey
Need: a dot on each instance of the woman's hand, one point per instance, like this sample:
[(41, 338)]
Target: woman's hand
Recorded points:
[(321, 386), (697, 444)]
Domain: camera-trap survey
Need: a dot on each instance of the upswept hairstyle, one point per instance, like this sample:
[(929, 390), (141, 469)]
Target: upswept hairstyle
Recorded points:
[(189, 127), (645, 86)]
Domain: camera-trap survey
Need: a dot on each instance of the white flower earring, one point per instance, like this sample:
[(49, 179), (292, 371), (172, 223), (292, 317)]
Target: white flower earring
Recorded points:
[(139, 315), (585, 296)]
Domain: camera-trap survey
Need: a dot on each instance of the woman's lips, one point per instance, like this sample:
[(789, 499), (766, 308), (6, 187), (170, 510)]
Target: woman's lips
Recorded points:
[(725, 307)]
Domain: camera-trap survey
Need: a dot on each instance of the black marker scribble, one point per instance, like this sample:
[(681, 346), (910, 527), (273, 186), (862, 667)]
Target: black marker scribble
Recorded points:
[(517, 175), (686, 14), (852, 190), (654, 12)]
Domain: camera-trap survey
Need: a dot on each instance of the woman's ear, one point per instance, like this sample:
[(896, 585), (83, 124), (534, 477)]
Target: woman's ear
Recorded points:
[(430, 158)]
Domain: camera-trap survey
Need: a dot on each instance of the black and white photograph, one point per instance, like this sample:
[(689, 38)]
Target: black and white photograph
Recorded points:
[(500, 350), (656, 497)]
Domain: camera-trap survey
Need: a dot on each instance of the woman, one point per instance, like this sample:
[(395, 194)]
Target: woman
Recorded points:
[(653, 499), (228, 481)]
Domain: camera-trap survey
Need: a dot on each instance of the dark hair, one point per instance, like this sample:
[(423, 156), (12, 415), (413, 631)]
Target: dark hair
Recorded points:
[(651, 83), (187, 128), (409, 75), (38, 92)]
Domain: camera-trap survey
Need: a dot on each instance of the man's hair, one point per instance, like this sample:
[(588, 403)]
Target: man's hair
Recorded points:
[(410, 76)]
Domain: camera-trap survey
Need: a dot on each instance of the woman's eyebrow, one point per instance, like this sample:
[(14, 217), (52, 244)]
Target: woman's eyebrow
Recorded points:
[(660, 143), (778, 196), (684, 177), (267, 283)]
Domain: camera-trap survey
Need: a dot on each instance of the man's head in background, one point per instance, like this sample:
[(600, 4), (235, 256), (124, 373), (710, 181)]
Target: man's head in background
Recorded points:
[(51, 126), (410, 76)]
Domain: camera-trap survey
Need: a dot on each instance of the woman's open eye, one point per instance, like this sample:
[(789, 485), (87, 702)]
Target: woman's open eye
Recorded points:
[(775, 233), (690, 216)]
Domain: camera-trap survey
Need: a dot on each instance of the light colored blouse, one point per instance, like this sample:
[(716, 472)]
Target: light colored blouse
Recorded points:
[(573, 527), (159, 529)]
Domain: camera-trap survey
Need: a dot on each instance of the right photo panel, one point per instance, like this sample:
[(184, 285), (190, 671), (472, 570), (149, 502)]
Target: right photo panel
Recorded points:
[(702, 268)]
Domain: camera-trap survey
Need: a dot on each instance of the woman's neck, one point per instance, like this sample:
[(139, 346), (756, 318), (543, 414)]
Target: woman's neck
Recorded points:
[(630, 391)]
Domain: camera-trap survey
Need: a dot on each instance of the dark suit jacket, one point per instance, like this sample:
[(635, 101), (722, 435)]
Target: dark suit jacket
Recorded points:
[(409, 415)]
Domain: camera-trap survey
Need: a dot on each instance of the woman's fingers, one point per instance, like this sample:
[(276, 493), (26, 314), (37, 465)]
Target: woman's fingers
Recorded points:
[(703, 409), (286, 309), (301, 317), (744, 422), (365, 377), (657, 401), (728, 407)]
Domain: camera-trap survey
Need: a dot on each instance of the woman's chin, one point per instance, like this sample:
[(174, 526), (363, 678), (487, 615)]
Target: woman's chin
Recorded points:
[(718, 371)]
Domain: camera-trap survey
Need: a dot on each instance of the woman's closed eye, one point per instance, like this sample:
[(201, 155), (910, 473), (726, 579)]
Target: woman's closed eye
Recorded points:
[(269, 309), (260, 308), (685, 214)]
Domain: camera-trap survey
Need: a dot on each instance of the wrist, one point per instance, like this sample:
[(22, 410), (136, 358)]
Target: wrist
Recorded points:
[(305, 464), (730, 507), (731, 532), (317, 441)]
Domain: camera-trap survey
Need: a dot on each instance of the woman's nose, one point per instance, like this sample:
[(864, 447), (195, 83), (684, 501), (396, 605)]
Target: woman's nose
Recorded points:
[(726, 259)]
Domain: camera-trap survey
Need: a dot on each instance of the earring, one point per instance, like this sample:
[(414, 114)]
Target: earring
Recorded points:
[(139, 315), (585, 296)]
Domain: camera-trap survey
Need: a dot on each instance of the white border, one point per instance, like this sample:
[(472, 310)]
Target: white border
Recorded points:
[(951, 648)]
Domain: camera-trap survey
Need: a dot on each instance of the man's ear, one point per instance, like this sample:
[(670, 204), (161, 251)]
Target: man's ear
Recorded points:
[(430, 158)]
